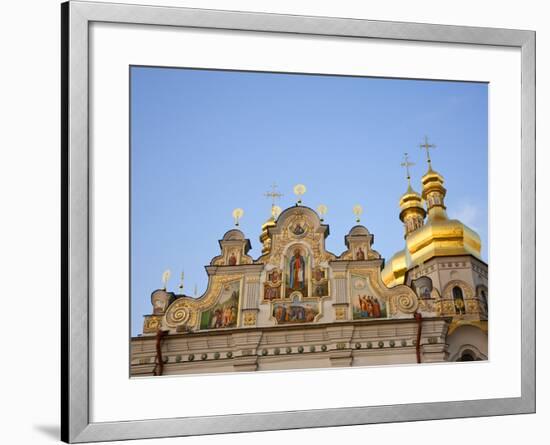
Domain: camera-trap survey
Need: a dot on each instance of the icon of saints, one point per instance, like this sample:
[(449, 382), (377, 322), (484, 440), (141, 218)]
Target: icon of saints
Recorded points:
[(297, 270), (298, 229)]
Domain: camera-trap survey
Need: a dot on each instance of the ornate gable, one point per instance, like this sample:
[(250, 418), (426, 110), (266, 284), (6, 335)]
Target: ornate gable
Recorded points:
[(296, 282), (359, 243), (297, 226)]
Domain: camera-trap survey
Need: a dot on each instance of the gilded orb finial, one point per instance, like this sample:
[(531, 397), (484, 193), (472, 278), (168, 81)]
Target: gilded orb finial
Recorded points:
[(407, 164), (299, 190), (165, 277), (275, 211), (357, 211), (426, 146), (322, 210), (237, 215)]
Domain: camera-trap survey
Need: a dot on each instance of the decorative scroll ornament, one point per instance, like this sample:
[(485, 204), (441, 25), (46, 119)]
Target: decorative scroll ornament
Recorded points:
[(249, 318), (185, 310), (407, 303), (181, 312), (152, 324)]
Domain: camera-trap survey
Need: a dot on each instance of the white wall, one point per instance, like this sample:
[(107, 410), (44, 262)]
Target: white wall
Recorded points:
[(29, 226)]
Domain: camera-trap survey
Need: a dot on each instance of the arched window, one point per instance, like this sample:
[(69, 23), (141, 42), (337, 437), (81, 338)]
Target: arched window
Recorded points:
[(457, 292), (484, 301), (458, 298), (423, 287), (466, 356)]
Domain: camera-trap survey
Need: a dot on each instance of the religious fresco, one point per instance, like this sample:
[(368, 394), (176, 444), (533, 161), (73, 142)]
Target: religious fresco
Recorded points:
[(295, 311), (365, 304), (319, 282), (298, 228), (423, 287), (272, 285), (224, 313), (232, 258), (296, 271), (360, 253)]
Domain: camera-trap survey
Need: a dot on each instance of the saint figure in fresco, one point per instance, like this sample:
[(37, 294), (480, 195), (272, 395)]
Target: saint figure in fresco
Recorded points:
[(298, 230), (217, 320), (369, 306), (274, 277), (232, 259), (376, 308), (360, 255), (297, 270)]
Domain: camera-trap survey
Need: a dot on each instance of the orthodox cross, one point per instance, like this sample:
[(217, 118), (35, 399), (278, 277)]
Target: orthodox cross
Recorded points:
[(181, 281), (407, 164), (273, 194), (426, 145)]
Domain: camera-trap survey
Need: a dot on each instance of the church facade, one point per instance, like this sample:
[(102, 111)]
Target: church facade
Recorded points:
[(300, 306)]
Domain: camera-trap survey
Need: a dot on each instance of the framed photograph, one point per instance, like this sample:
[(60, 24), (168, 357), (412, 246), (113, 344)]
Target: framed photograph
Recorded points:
[(277, 222)]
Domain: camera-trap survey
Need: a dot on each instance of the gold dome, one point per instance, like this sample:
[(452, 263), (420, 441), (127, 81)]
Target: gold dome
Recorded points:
[(438, 237), (433, 194), (442, 238), (412, 212), (395, 269), (264, 237), (434, 239)]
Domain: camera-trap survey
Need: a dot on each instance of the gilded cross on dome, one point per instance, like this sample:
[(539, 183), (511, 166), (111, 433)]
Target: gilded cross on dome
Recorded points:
[(273, 194), (407, 164), (426, 146)]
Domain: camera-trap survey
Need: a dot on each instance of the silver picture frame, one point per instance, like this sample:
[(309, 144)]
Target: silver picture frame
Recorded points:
[(76, 18)]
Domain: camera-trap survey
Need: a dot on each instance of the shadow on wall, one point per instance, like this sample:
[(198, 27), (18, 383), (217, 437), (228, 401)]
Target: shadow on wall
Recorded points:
[(51, 431)]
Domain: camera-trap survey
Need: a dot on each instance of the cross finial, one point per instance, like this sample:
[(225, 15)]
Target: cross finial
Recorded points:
[(407, 164), (426, 145), (273, 194), (182, 276)]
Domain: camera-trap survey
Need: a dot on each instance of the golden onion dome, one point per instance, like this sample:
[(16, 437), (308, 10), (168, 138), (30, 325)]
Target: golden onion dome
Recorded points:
[(439, 236), (270, 222), (431, 175), (433, 194), (395, 269), (264, 236), (410, 195), (447, 237), (409, 201)]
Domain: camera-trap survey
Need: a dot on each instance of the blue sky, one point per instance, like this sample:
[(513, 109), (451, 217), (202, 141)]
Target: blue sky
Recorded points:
[(204, 142)]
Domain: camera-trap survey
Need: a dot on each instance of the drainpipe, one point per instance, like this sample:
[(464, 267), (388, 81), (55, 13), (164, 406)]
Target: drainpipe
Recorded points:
[(418, 318), (159, 363)]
